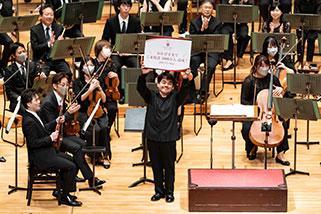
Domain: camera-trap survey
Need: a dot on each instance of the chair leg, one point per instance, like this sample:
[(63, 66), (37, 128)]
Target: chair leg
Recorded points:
[(30, 190), (58, 186)]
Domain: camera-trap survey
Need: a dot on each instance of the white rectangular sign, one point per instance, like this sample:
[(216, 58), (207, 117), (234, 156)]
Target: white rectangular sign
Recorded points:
[(167, 53)]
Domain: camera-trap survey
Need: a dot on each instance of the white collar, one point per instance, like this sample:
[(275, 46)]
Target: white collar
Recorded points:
[(58, 97), (202, 17)]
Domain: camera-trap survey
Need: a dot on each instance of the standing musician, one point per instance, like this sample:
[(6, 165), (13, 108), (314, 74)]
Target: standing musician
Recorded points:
[(158, 6), (205, 24), (122, 23), (17, 84), (275, 23), (42, 37), (161, 128), (42, 153), (309, 7), (74, 31), (284, 5), (242, 36), (258, 80), (182, 6), (53, 107), (87, 99), (5, 40), (102, 52)]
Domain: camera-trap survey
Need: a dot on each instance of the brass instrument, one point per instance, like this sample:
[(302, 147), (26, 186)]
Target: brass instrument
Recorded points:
[(189, 11)]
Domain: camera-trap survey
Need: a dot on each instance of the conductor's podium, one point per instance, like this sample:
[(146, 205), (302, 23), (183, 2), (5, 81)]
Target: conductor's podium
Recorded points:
[(237, 190)]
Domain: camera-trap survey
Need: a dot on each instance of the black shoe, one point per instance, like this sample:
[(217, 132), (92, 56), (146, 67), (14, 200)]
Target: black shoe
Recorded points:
[(169, 198), (251, 157), (80, 179), (228, 68), (285, 163), (2, 159), (98, 182), (66, 199), (157, 197), (55, 194), (106, 165), (121, 100)]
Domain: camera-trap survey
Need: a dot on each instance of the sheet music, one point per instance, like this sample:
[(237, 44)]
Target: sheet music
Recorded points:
[(232, 110), (13, 115)]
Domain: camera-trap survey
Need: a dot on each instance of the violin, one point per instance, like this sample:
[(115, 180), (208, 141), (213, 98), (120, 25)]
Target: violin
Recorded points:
[(268, 129), (282, 73), (93, 99), (59, 128), (72, 127), (112, 91)]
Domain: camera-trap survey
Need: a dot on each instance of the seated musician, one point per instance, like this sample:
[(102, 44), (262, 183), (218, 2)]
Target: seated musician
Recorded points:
[(57, 5), (16, 85), (122, 23), (258, 80), (275, 23), (102, 52), (5, 40), (284, 5), (87, 99), (242, 37), (42, 37), (308, 7), (42, 153), (205, 24), (54, 106), (158, 6), (161, 128)]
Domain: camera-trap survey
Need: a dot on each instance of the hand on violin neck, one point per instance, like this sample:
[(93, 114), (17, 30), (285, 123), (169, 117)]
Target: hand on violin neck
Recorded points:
[(60, 119), (94, 84), (73, 108), (54, 136)]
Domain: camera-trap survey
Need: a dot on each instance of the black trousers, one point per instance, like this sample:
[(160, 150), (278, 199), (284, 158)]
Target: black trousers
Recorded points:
[(5, 40), (74, 145), (163, 156), (182, 6), (68, 170), (285, 7), (242, 37), (112, 109), (213, 60), (311, 36), (246, 126)]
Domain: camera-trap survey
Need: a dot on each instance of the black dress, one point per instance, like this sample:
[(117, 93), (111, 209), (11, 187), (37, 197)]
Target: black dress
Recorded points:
[(247, 98)]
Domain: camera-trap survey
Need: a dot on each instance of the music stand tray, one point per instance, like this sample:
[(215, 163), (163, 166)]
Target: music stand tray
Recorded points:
[(72, 47), (243, 13), (302, 109), (17, 23), (258, 39), (308, 21)]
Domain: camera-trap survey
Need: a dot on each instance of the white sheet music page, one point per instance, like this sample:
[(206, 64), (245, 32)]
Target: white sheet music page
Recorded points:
[(233, 110)]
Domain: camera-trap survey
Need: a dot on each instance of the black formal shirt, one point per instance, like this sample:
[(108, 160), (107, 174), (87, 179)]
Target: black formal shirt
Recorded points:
[(161, 116)]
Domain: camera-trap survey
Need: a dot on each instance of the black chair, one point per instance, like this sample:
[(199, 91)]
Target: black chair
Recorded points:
[(45, 176)]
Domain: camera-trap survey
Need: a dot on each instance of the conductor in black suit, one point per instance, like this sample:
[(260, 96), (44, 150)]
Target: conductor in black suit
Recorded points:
[(17, 84), (42, 37), (42, 153), (205, 24), (122, 23)]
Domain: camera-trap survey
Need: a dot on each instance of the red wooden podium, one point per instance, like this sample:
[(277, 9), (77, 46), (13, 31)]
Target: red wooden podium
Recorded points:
[(237, 190)]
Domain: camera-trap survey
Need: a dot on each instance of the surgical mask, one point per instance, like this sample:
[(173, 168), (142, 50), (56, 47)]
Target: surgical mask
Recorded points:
[(105, 52), (88, 69), (272, 51), (22, 57), (263, 71), (63, 90)]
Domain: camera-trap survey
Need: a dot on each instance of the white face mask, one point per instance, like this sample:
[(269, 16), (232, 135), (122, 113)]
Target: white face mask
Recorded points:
[(272, 51), (105, 52), (63, 90), (88, 69), (22, 57), (263, 71)]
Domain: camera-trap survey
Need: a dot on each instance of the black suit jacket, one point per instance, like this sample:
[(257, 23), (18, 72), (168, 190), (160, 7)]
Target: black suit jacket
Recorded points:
[(17, 84), (112, 27), (38, 39), (214, 26), (6, 9), (40, 146), (49, 112)]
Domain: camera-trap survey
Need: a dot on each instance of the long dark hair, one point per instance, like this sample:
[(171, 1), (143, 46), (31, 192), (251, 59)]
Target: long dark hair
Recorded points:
[(259, 60), (270, 19), (270, 40)]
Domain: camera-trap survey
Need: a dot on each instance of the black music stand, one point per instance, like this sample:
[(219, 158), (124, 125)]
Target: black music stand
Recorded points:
[(236, 14), (133, 43), (161, 19), (209, 43), (17, 23), (306, 84), (298, 109), (81, 12), (303, 22), (135, 122)]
